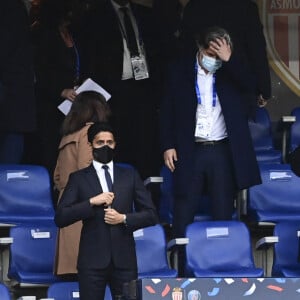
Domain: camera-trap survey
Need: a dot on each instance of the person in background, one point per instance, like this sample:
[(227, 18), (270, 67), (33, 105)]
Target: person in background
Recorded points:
[(112, 202), (120, 52), (17, 100), (75, 153), (204, 128), (57, 72), (241, 19), (169, 14)]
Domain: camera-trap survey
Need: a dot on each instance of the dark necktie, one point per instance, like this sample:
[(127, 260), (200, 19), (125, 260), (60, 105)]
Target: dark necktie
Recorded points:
[(130, 34), (108, 178)]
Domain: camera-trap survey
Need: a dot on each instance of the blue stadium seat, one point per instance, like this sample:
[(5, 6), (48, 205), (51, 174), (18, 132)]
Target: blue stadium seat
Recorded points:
[(261, 132), (25, 194), (295, 130), (220, 249), (32, 253), (286, 261), (277, 198), (4, 292), (69, 291), (151, 251)]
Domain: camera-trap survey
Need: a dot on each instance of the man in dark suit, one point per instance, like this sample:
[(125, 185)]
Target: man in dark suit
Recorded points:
[(204, 128), (126, 65), (111, 206), (241, 19)]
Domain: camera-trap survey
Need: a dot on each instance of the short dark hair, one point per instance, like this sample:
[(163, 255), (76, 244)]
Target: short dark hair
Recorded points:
[(98, 127), (88, 106), (210, 35)]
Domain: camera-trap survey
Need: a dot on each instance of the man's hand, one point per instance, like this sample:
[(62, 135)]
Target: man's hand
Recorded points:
[(112, 217), (170, 156), (103, 198), (221, 49), (68, 94)]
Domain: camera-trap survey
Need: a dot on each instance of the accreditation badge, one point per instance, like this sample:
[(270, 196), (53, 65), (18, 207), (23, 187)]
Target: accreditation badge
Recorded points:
[(139, 67), (203, 123), (203, 128)]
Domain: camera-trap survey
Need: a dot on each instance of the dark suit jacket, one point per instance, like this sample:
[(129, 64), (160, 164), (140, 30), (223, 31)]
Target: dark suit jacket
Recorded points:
[(178, 113), (55, 65), (241, 19), (102, 243), (102, 43)]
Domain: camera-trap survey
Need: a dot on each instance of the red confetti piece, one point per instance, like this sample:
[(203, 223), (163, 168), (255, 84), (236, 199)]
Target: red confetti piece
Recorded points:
[(245, 280), (150, 289), (166, 290), (275, 288)]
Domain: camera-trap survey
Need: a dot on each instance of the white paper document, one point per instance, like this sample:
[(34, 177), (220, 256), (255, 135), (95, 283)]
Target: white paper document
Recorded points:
[(88, 85)]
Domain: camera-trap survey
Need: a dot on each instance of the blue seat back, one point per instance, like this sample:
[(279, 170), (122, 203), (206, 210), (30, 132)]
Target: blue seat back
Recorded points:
[(218, 247), (261, 133), (295, 130), (286, 251), (4, 292), (25, 194), (69, 291), (64, 291), (277, 198), (260, 129), (151, 251), (32, 253)]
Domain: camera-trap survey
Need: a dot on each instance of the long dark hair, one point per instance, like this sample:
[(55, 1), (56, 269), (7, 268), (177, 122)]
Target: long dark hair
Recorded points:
[(88, 106)]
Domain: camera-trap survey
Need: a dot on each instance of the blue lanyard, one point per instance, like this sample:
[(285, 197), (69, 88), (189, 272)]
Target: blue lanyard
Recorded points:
[(77, 63), (198, 90)]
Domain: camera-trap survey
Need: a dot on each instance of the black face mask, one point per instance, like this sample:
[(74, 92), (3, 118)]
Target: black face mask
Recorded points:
[(103, 154)]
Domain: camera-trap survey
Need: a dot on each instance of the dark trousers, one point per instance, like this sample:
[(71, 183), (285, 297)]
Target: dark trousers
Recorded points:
[(213, 173), (92, 282)]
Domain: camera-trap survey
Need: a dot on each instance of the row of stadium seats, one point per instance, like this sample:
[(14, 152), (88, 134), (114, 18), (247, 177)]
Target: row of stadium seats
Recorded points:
[(28, 187), (26, 208), (214, 249)]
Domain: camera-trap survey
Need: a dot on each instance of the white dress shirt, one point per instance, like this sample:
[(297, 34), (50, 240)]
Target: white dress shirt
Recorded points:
[(217, 130), (101, 175), (127, 67)]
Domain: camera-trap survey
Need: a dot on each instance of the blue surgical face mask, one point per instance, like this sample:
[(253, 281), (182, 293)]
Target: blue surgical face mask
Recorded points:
[(210, 64)]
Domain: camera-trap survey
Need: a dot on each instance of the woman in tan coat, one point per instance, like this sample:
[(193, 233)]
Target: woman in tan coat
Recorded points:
[(75, 153)]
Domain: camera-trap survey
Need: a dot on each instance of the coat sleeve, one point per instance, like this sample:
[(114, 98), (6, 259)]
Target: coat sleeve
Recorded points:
[(144, 213), (72, 207), (256, 50), (238, 70), (166, 114)]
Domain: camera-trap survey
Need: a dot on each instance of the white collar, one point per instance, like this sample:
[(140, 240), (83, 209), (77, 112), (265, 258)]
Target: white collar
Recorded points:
[(118, 6), (98, 166)]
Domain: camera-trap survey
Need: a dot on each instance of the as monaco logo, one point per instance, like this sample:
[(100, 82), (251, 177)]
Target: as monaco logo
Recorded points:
[(281, 21)]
